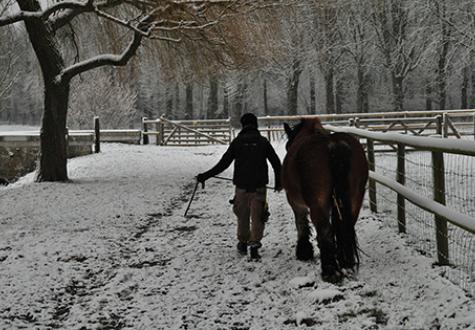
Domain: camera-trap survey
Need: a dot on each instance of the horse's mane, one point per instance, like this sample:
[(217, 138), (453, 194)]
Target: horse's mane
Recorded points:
[(311, 126)]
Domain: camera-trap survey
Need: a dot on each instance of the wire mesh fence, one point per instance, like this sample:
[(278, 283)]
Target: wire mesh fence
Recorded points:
[(420, 226)]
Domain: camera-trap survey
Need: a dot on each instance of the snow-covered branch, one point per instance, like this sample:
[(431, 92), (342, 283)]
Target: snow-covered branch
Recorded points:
[(102, 60), (45, 14), (65, 16), (121, 22)]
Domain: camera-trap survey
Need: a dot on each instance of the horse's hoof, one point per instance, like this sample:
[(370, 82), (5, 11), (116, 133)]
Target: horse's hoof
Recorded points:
[(304, 250), (333, 278), (331, 273), (350, 273)]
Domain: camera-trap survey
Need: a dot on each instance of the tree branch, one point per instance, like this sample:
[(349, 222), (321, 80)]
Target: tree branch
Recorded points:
[(45, 14), (126, 24), (67, 15), (103, 60)]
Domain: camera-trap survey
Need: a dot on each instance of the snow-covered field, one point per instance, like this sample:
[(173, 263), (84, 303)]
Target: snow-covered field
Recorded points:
[(17, 128), (112, 250)]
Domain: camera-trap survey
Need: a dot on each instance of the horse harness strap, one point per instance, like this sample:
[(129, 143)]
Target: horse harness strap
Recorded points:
[(338, 205)]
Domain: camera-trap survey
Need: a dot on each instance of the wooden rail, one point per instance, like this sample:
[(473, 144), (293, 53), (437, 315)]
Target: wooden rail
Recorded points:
[(436, 205), (79, 143), (455, 123), (76, 138), (186, 132)]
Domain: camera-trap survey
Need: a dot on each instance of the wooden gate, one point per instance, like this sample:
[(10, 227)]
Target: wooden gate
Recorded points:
[(167, 132)]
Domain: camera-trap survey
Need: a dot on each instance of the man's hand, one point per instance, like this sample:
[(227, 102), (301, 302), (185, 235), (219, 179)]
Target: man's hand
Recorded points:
[(201, 178)]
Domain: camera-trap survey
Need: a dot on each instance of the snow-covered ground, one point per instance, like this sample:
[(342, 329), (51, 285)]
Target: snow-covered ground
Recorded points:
[(17, 128), (112, 250)]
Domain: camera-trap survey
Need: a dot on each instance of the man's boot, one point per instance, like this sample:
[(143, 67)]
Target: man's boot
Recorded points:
[(242, 248), (254, 250)]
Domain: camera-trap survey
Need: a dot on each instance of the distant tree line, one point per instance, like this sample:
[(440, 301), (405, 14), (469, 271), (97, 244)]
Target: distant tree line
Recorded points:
[(332, 56)]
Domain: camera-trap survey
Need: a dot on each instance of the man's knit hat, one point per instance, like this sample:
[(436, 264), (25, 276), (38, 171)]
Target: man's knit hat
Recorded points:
[(249, 119)]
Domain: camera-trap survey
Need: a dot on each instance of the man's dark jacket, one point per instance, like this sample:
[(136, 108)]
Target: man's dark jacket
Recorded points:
[(250, 151)]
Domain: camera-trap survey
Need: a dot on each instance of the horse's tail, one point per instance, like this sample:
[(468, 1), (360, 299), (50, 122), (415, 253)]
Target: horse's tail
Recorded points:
[(342, 222)]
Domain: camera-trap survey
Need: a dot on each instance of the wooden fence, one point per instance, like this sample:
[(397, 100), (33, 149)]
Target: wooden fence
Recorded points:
[(186, 132), (439, 149), (79, 143), (454, 123)]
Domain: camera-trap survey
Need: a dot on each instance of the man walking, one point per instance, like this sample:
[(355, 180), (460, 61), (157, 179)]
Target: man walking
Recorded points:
[(250, 152)]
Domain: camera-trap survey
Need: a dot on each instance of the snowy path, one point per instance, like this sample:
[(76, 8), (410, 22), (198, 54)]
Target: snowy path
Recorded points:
[(112, 250)]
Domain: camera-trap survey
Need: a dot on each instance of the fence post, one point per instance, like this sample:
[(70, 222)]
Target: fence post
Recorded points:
[(145, 130), (438, 176), (372, 184), (66, 135), (439, 125), (438, 173), (97, 135), (158, 134), (405, 117), (230, 131), (357, 122), (401, 178), (474, 125), (268, 129), (162, 132), (445, 125)]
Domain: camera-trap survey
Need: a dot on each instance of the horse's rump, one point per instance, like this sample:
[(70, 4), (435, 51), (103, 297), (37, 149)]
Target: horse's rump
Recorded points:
[(326, 174)]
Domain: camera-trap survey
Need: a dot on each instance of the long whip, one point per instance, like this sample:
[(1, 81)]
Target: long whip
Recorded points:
[(193, 196)]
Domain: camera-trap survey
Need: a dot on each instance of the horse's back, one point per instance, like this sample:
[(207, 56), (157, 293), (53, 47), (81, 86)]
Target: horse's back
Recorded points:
[(306, 172), (308, 177)]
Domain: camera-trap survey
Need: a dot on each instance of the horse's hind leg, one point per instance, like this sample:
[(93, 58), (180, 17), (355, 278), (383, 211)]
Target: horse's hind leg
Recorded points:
[(304, 250), (326, 243)]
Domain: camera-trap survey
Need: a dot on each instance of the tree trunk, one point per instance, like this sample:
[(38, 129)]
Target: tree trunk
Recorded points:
[(189, 101), (398, 93), (212, 99), (266, 101), (169, 102), (293, 88), (53, 153), (428, 96), (292, 95), (442, 62), (362, 100), (464, 91), (313, 98), (442, 77), (330, 95), (472, 93), (53, 157), (238, 104), (178, 111), (339, 97), (225, 102)]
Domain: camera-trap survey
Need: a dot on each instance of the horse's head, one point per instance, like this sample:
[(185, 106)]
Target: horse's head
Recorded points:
[(309, 126), (292, 133)]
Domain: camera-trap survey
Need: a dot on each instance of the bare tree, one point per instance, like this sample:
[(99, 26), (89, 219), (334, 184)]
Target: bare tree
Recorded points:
[(401, 41), (206, 29), (8, 60), (357, 44), (328, 45), (113, 103)]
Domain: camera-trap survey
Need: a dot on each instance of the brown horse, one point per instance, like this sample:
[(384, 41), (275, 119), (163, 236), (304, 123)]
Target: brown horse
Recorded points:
[(325, 174)]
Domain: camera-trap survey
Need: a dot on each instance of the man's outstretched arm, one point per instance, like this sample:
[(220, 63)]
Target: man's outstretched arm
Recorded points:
[(223, 164)]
